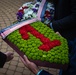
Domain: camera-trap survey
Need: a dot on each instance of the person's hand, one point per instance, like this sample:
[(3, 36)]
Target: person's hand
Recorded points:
[(9, 56), (30, 65), (58, 33)]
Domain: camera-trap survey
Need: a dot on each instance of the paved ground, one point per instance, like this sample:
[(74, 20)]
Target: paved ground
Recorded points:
[(8, 9)]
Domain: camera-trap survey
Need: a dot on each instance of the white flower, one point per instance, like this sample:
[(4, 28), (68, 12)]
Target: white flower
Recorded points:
[(28, 14), (49, 5), (34, 15)]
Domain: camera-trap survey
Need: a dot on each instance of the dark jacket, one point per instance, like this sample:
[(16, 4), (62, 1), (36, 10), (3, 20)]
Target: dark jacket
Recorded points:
[(65, 18), (65, 23), (43, 72), (2, 59)]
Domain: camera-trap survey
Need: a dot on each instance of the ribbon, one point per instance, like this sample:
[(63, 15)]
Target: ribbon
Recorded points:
[(40, 9)]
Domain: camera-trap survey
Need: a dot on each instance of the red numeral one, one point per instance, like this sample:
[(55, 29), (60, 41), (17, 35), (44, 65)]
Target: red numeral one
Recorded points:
[(47, 43)]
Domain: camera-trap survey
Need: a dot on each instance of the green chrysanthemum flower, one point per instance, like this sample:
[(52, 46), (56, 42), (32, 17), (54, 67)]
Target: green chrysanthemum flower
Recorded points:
[(30, 47)]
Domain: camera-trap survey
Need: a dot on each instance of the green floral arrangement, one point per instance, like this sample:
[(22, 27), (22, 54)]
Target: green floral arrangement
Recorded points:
[(39, 42)]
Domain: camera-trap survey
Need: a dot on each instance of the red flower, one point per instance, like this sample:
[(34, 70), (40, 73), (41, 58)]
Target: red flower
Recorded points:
[(21, 10), (35, 33), (45, 40), (47, 44), (47, 14), (23, 28), (25, 37), (51, 44), (25, 7), (40, 36), (22, 31), (29, 28), (44, 47), (57, 42)]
